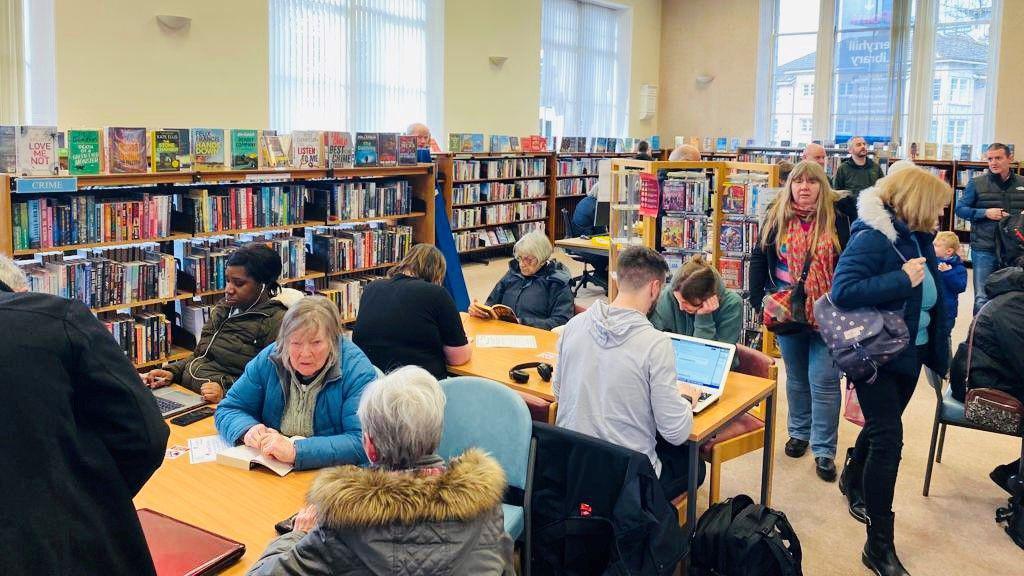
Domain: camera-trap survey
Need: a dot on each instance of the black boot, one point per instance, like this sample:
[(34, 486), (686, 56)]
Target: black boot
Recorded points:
[(851, 484), (880, 552)]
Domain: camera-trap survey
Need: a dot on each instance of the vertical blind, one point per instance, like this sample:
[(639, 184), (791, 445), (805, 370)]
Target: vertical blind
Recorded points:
[(584, 69), (367, 65), (11, 62)]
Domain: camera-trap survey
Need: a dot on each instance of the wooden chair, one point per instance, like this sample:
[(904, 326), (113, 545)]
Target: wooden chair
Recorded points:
[(746, 432)]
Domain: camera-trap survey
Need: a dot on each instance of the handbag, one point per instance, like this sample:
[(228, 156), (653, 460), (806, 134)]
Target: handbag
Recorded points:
[(852, 412), (861, 340), (988, 407), (785, 311)]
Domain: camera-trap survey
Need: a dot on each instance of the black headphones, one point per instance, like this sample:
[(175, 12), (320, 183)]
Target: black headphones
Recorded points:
[(519, 375)]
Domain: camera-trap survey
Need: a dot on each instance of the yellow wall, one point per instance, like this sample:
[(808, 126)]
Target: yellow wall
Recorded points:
[(1009, 126), (117, 66)]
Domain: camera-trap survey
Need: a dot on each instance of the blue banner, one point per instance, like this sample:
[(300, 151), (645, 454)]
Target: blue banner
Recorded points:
[(45, 185)]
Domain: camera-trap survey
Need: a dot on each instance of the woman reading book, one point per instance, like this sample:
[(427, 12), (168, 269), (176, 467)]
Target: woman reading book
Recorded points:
[(535, 287), (306, 384)]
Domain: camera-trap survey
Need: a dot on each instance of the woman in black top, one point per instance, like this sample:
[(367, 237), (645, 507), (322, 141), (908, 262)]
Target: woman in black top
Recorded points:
[(409, 319)]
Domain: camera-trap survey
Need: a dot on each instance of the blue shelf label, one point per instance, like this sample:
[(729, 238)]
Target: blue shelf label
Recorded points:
[(45, 185)]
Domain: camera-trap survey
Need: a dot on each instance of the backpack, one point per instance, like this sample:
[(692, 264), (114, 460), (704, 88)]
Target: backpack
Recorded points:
[(1013, 514), (1010, 240), (740, 538)]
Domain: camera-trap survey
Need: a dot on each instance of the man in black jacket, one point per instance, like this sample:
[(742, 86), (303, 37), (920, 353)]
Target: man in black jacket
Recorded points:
[(80, 435), (858, 171)]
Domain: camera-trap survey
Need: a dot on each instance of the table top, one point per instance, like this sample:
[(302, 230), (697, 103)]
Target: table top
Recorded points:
[(595, 243), (238, 504)]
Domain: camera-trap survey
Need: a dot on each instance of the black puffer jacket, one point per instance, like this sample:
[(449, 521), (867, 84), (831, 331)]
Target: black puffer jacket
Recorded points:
[(227, 343), (542, 300), (996, 361)]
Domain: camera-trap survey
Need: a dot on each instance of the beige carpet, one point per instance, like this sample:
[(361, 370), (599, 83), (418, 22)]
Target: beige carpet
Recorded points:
[(951, 532)]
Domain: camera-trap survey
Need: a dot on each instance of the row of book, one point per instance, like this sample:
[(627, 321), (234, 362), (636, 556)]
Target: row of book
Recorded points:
[(491, 237), (965, 175), (346, 294), (85, 219), (574, 186), (142, 336), (463, 142), (497, 214), (355, 246), (959, 224), (747, 195), (686, 233), (234, 208), (491, 191), (45, 150), (599, 145), (204, 260), (577, 166), (738, 237), (358, 200), (499, 168), (688, 192)]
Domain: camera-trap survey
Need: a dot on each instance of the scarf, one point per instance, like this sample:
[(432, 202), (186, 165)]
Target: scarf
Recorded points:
[(823, 262)]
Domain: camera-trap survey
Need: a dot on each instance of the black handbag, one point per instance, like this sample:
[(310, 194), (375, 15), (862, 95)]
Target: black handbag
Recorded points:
[(785, 311)]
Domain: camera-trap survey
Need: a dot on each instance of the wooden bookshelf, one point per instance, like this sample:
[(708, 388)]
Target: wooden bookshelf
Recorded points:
[(496, 224), (507, 179), (359, 270), (177, 353), (144, 303), (67, 247), (509, 201)]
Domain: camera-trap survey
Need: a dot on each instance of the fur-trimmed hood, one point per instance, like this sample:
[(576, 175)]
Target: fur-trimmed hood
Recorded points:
[(348, 496), (872, 213)]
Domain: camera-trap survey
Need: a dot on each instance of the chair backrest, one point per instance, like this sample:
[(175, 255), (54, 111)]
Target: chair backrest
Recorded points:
[(570, 232), (578, 308), (935, 381), (481, 413), (756, 363)]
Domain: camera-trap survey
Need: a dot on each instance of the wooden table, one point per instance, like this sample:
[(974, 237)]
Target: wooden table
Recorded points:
[(239, 504), (585, 245)]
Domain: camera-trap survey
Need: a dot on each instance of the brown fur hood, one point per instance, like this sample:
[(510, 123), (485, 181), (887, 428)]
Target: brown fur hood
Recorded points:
[(348, 496)]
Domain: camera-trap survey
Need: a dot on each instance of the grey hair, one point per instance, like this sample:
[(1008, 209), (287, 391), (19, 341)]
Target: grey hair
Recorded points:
[(403, 414), (310, 312), (12, 274), (534, 244)]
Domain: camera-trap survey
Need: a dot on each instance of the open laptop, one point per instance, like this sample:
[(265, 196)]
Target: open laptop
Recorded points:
[(704, 364), (173, 402)]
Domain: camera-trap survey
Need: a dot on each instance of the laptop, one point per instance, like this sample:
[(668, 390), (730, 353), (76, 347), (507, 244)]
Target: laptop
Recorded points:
[(172, 401), (181, 549), (703, 364)]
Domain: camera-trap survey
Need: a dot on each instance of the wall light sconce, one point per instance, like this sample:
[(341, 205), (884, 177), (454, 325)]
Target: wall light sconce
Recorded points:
[(175, 23), (704, 79), (498, 61)]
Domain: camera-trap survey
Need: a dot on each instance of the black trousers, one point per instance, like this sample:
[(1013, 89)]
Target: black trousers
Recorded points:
[(880, 443), (675, 468)]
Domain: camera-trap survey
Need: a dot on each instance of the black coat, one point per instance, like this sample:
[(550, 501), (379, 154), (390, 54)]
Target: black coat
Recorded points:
[(543, 300), (595, 505), (80, 435)]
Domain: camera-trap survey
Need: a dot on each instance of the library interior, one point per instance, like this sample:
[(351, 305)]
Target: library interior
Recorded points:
[(667, 287)]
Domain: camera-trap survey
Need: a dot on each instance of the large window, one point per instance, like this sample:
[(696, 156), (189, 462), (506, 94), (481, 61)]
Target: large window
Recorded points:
[(796, 37), (355, 64), (584, 69)]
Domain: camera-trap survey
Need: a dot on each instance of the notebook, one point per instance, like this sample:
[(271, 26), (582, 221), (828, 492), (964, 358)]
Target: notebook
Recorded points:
[(181, 549), (703, 364)]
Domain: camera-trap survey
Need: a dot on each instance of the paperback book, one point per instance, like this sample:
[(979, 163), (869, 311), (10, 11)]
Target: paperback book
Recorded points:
[(387, 149), (166, 147), (184, 148), (83, 152), (338, 151), (306, 149), (208, 148), (407, 150), (275, 149), (245, 150), (37, 150), (127, 150), (366, 149), (8, 150)]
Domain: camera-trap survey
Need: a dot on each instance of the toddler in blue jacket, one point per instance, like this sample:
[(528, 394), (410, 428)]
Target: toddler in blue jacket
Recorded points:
[(951, 270)]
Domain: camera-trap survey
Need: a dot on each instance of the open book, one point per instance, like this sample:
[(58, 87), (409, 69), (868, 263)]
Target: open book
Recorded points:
[(245, 458), (498, 312)]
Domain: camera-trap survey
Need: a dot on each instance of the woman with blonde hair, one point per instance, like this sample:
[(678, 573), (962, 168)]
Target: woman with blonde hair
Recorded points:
[(408, 318), (802, 235), (890, 264)]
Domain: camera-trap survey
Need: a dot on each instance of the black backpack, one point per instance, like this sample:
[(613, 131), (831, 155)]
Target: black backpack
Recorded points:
[(1013, 514), (1010, 240), (740, 538)]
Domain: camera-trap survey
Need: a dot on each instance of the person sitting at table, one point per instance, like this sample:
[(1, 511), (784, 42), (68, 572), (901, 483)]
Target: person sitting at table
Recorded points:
[(697, 303), (536, 286), (243, 323), (616, 375), (410, 319), (409, 511), (306, 384)]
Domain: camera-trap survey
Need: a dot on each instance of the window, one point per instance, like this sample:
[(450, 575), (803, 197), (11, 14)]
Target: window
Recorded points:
[(28, 78), (936, 89), (355, 64), (795, 38), (957, 130), (846, 89), (933, 130), (958, 90), (584, 69), (805, 125), (807, 89)]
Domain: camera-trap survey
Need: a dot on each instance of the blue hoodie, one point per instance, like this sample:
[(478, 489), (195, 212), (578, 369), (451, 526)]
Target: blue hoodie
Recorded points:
[(954, 281)]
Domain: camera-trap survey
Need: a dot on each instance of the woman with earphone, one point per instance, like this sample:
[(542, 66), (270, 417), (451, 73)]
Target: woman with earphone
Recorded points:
[(243, 323)]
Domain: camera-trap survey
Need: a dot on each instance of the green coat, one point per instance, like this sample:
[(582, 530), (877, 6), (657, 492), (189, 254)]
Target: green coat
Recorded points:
[(722, 325)]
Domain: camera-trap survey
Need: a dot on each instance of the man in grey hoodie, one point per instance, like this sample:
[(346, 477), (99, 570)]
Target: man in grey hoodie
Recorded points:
[(616, 376)]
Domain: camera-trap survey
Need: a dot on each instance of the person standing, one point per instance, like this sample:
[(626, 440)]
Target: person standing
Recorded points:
[(807, 226), (858, 171), (815, 152), (890, 264), (988, 199), (80, 437)]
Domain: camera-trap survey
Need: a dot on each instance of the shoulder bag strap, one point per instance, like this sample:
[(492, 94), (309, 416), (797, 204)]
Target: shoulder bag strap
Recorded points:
[(807, 264), (970, 346)]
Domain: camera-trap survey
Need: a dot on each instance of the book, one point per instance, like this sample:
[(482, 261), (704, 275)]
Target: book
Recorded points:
[(731, 270), (947, 151), (208, 148), (246, 458), (307, 149), (165, 145), (930, 150), (731, 237), (514, 144), (127, 150), (8, 149), (37, 150), (671, 232), (184, 148), (275, 150), (407, 150), (454, 142), (734, 200), (366, 149), (721, 144), (245, 150), (338, 151), (966, 151), (62, 153), (655, 142), (387, 149), (83, 152), (497, 312)]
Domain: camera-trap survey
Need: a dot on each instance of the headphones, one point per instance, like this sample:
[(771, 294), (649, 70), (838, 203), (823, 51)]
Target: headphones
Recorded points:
[(519, 375)]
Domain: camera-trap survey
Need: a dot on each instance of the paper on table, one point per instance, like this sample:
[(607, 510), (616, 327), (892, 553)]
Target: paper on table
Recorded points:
[(505, 341), (205, 448)]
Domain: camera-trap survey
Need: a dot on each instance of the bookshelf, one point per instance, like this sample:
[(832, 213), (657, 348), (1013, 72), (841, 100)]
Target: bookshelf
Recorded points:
[(311, 184)]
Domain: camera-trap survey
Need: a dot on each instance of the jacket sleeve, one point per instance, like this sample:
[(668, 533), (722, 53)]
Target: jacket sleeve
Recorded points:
[(347, 447), (758, 275), (859, 280), (965, 205), (955, 279), (112, 401), (663, 314), (673, 415), (729, 319), (243, 404), (560, 308), (840, 178), (293, 554)]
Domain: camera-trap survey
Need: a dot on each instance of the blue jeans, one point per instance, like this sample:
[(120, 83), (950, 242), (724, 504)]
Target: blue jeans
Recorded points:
[(813, 391), (984, 264)]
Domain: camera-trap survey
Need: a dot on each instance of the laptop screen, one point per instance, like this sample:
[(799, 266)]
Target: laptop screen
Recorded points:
[(700, 363)]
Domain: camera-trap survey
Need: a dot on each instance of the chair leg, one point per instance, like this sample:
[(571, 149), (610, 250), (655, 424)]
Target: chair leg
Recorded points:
[(942, 441), (715, 478), (931, 457)]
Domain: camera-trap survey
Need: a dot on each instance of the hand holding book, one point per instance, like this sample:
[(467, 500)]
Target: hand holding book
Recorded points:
[(496, 312), (277, 446)]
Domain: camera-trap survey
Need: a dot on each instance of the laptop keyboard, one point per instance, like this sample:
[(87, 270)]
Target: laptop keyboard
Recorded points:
[(166, 405), (703, 396)]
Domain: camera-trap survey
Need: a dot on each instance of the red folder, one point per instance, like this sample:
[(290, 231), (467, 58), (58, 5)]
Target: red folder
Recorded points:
[(181, 549)]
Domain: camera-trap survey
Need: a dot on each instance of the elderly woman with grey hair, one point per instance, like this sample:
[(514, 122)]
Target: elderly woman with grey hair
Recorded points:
[(536, 287), (297, 400), (409, 512)]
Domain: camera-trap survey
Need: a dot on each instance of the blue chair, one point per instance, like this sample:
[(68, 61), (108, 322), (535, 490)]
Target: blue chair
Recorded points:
[(481, 413)]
